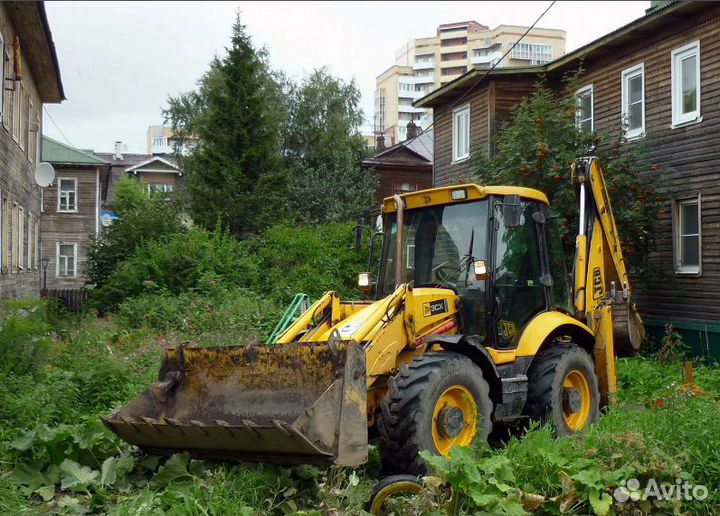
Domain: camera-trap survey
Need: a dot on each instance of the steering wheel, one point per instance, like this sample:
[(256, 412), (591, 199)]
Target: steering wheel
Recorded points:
[(442, 274)]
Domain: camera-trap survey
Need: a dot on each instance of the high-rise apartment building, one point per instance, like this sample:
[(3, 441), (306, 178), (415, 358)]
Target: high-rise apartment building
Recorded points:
[(423, 64)]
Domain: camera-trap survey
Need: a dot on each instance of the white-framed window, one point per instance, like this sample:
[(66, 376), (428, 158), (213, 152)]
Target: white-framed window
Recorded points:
[(2, 76), (688, 236), (158, 188), (24, 118), (21, 238), (30, 241), (633, 101), (15, 234), (66, 260), (6, 235), (67, 194), (36, 254), (33, 131), (685, 73), (585, 107), (17, 110), (461, 133)]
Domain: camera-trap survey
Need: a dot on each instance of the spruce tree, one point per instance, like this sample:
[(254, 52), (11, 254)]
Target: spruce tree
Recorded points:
[(234, 175)]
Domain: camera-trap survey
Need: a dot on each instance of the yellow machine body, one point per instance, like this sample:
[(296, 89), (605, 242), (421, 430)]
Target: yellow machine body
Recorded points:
[(311, 396)]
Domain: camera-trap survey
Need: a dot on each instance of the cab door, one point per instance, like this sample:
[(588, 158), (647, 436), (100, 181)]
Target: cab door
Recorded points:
[(518, 271)]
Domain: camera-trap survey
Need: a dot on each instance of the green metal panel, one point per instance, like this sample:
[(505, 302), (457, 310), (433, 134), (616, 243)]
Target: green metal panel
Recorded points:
[(297, 307), (55, 152), (702, 337)]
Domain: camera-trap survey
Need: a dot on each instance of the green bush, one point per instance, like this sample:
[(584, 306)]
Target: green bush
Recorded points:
[(309, 259), (142, 219), (177, 264), (224, 315), (24, 336)]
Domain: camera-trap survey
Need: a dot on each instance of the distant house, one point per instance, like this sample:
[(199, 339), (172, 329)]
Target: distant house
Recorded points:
[(30, 78), (404, 167), (161, 140), (157, 173), (71, 211), (657, 77)]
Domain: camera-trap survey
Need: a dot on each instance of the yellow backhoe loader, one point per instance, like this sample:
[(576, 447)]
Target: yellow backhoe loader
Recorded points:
[(475, 323)]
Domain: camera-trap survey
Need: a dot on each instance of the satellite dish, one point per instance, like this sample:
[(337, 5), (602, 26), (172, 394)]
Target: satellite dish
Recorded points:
[(44, 174)]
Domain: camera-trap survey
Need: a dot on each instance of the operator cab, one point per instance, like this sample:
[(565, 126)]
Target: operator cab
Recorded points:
[(497, 248)]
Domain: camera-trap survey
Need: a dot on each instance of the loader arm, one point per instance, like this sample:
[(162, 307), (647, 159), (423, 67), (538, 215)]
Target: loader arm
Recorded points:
[(601, 288)]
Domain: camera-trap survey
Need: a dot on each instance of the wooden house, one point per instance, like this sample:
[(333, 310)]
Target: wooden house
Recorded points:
[(657, 78), (404, 167), (30, 78), (70, 212)]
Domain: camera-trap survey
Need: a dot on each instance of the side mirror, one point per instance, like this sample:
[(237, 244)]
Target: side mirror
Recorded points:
[(359, 229), (365, 282), (480, 269), (511, 211)]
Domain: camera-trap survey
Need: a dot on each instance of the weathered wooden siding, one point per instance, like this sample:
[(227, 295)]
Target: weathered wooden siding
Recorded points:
[(689, 155), (17, 166), (69, 227), (447, 172)]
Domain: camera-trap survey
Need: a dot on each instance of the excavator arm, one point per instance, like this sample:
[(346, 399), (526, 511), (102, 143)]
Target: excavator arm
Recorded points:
[(601, 288)]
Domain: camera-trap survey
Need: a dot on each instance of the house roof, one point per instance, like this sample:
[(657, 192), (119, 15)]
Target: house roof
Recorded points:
[(420, 148), (58, 153), (155, 159), (30, 21), (639, 28)]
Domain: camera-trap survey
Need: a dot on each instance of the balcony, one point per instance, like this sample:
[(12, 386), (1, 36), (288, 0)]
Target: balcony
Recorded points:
[(454, 48), (425, 64), (409, 109), (486, 59), (460, 32), (454, 63)]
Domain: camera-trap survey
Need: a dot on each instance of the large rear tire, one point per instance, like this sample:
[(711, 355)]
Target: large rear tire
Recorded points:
[(563, 389), (437, 401)]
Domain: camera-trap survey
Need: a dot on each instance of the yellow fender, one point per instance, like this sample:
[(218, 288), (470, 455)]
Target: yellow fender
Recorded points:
[(543, 325)]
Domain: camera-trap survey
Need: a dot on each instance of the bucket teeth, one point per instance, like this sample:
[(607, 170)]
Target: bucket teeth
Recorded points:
[(200, 425)]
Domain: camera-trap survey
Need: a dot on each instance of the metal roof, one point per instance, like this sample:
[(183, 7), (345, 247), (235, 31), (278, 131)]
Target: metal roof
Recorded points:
[(60, 154)]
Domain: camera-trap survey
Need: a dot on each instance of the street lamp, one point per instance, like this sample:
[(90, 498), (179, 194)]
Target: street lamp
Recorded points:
[(45, 262)]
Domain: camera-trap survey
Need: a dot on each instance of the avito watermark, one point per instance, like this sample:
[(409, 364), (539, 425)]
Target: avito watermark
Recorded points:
[(680, 490)]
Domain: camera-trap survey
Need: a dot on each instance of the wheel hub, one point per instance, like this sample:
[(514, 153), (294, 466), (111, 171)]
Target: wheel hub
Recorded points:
[(572, 400), (451, 421)]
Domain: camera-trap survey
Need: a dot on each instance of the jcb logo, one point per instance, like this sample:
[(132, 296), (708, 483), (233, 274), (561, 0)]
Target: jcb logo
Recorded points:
[(435, 308), (597, 283)]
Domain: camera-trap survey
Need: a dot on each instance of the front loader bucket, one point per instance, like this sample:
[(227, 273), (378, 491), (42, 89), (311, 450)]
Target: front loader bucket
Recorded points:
[(287, 404)]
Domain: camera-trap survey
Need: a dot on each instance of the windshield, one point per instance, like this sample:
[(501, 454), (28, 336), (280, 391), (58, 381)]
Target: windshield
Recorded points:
[(440, 243)]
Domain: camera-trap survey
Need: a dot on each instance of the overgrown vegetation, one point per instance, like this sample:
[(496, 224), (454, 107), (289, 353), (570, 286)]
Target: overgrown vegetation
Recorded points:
[(58, 458), (537, 147)]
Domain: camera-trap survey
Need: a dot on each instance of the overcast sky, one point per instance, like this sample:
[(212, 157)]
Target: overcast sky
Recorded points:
[(121, 60)]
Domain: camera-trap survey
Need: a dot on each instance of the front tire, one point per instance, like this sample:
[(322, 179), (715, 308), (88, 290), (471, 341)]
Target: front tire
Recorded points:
[(437, 401), (563, 389)]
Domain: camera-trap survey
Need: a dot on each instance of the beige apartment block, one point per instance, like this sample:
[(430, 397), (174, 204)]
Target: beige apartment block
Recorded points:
[(424, 64)]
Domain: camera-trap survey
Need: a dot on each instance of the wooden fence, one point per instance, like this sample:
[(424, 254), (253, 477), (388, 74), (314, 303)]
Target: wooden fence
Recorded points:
[(72, 298)]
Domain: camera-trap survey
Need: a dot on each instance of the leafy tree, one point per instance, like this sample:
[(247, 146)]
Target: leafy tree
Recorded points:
[(234, 174), (322, 149), (141, 219), (537, 147)]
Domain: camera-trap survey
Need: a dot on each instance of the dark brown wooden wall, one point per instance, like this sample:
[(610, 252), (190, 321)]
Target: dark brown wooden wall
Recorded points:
[(689, 156), (66, 227)]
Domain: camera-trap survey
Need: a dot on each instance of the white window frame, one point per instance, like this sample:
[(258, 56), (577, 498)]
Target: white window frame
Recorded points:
[(676, 56), (21, 238), (36, 248), (14, 238), (2, 76), (458, 154), (16, 110), (686, 270), (59, 194), (626, 75), (57, 260), (578, 94)]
